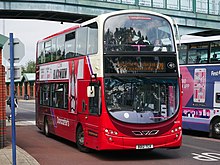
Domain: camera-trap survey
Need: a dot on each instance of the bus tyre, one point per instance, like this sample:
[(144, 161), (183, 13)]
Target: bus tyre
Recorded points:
[(80, 140), (46, 128), (216, 128)]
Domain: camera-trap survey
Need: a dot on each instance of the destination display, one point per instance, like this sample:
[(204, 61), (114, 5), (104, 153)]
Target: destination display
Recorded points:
[(123, 65), (143, 66)]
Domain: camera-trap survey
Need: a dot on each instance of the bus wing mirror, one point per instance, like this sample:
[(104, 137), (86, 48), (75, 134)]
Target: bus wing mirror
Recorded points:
[(90, 91)]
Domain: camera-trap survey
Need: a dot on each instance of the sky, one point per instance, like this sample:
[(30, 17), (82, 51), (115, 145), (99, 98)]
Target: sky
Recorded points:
[(29, 32)]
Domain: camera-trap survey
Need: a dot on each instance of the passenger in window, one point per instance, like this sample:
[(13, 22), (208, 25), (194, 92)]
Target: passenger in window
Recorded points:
[(157, 45), (58, 54), (55, 102), (59, 102), (214, 58), (63, 55), (198, 59)]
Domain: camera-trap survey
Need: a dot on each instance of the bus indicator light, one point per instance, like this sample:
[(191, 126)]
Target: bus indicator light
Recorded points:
[(110, 132)]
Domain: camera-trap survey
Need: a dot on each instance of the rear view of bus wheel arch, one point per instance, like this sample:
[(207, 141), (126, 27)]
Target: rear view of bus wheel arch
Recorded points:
[(80, 140), (216, 128)]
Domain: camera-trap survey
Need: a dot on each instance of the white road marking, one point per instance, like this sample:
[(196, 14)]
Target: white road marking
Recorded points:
[(199, 148), (208, 139), (207, 157), (21, 123)]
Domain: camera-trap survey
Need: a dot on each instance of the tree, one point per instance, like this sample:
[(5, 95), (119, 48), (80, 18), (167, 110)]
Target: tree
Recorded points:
[(29, 68)]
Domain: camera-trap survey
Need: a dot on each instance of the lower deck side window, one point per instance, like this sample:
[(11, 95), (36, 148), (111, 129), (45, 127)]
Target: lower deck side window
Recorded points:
[(54, 95), (217, 98)]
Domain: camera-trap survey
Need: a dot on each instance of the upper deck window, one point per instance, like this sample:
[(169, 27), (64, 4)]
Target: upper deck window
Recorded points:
[(87, 40), (182, 54), (198, 53), (41, 55), (60, 47), (215, 52), (70, 45), (137, 32), (47, 48)]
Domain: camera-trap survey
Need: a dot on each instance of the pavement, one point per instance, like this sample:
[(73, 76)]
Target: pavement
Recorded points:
[(22, 157)]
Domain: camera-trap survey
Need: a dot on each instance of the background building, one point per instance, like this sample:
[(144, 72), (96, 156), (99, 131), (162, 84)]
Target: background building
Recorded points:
[(24, 86)]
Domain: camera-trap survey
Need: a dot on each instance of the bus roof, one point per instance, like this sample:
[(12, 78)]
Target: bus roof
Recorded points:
[(61, 32), (199, 39), (105, 16), (136, 11)]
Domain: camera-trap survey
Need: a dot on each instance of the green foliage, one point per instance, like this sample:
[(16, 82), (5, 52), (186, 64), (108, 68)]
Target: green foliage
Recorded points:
[(29, 68)]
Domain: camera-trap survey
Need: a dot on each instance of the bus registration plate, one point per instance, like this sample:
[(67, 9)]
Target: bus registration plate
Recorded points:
[(144, 146)]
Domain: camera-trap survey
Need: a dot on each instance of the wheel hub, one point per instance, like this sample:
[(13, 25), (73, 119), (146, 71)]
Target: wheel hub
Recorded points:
[(217, 128), (81, 138)]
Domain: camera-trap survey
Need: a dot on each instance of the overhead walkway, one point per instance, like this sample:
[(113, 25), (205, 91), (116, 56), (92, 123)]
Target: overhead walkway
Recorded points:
[(193, 16)]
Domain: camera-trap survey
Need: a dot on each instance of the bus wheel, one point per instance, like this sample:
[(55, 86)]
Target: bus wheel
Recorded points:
[(46, 128), (216, 128), (80, 140)]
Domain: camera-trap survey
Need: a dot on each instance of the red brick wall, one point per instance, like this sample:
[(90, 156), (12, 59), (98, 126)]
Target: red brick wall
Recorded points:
[(2, 103)]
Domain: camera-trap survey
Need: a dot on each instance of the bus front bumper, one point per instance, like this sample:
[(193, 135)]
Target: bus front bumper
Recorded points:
[(122, 143)]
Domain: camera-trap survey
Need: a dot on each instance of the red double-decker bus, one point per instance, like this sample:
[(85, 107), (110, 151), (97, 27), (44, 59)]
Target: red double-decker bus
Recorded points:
[(111, 83)]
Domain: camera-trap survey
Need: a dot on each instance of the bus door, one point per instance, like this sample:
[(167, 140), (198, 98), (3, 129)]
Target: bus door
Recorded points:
[(94, 111), (89, 105), (216, 100)]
